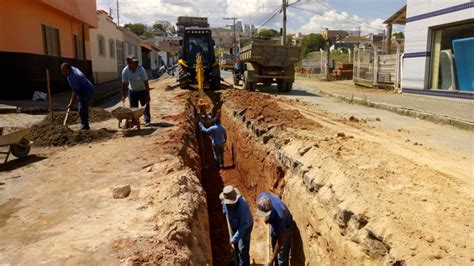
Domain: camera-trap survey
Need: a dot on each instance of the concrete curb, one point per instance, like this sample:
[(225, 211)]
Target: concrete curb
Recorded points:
[(436, 118)]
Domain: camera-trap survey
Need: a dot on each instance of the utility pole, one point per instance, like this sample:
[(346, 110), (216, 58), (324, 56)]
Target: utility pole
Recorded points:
[(118, 14), (234, 42), (283, 34), (328, 55)]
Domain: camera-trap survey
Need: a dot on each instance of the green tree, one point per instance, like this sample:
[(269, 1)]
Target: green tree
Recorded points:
[(310, 43), (267, 33), (399, 35), (137, 28), (161, 28)]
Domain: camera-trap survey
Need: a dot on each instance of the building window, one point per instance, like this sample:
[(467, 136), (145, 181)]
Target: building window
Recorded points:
[(78, 47), (112, 48), (101, 43), (51, 41), (444, 74)]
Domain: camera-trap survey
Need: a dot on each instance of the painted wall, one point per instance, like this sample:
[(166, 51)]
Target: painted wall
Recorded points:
[(82, 10), (105, 67), (132, 40), (20, 27), (416, 70)]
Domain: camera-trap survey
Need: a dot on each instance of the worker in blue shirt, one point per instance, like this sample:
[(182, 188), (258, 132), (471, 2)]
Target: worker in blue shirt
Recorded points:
[(82, 90), (280, 219), (218, 137), (240, 220)]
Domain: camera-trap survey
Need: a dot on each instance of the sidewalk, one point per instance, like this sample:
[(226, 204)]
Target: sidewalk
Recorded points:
[(60, 100), (456, 112)]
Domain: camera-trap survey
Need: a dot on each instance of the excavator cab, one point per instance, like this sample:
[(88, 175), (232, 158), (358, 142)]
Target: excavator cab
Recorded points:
[(198, 41)]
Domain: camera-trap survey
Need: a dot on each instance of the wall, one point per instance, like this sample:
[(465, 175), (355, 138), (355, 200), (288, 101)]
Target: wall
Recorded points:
[(22, 51), (130, 39), (105, 68), (416, 64)]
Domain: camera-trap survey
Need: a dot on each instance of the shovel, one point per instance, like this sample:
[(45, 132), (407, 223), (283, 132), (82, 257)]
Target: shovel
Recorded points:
[(65, 118), (236, 258)]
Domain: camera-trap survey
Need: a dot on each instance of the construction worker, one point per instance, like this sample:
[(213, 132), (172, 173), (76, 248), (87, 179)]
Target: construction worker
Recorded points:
[(277, 215), (82, 90), (218, 138), (135, 86), (240, 220)]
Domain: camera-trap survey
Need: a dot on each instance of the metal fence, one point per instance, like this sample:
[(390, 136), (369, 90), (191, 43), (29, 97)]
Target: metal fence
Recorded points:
[(373, 69)]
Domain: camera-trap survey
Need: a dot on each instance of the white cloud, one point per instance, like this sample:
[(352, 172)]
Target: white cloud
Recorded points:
[(254, 11)]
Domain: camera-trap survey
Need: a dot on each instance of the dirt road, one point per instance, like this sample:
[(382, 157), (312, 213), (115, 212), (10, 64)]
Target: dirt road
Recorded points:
[(364, 186), (58, 208)]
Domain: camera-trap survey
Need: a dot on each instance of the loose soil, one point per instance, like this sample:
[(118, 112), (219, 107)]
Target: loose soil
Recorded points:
[(47, 133)]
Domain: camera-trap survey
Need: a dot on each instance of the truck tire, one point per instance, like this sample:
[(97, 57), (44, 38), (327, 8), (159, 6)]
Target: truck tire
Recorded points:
[(250, 86), (236, 81), (288, 86), (281, 85), (216, 79)]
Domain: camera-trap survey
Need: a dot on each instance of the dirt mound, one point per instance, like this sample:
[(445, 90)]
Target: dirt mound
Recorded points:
[(95, 115), (265, 109)]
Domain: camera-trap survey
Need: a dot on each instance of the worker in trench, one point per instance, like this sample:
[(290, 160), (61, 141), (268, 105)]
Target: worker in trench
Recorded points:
[(82, 90), (277, 215), (240, 222), (135, 86), (218, 136)]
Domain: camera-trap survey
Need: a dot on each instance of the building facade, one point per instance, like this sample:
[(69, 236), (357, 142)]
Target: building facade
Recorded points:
[(131, 45), (106, 49), (41, 34), (430, 62)]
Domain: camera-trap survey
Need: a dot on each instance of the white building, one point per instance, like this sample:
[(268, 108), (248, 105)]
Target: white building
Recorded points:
[(106, 49), (429, 62)]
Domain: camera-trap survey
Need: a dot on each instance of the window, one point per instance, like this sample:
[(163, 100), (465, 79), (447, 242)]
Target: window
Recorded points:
[(444, 75), (78, 47), (51, 41), (112, 48), (101, 43)]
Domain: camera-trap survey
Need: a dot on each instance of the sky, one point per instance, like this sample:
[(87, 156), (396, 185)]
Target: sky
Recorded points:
[(305, 16)]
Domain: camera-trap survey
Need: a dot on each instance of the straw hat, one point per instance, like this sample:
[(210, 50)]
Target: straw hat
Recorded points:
[(229, 195)]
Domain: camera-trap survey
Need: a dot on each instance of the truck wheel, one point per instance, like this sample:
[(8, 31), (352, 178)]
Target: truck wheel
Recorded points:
[(216, 79), (281, 85), (236, 81), (250, 86), (288, 86)]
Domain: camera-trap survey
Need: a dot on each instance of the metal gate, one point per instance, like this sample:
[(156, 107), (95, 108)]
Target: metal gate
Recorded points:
[(364, 66)]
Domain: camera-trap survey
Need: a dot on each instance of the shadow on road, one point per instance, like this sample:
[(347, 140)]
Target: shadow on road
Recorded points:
[(20, 162)]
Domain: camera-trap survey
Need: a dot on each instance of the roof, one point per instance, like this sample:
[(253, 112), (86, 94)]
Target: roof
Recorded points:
[(148, 46), (399, 17), (353, 39)]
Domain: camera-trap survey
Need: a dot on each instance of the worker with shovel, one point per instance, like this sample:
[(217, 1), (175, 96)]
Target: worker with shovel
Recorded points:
[(239, 223), (277, 215), (218, 136), (82, 90), (135, 86)]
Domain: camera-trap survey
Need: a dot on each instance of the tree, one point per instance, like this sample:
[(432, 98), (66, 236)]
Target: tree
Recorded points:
[(137, 28), (267, 33), (310, 43), (399, 35), (161, 28)]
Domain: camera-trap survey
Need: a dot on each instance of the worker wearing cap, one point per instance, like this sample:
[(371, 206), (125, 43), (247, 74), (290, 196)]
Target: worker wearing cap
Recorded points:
[(240, 219), (135, 86), (82, 90), (218, 136), (279, 217)]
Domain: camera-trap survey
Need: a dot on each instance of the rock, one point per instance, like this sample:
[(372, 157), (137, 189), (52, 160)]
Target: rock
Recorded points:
[(353, 119), (121, 192), (266, 138), (429, 239), (303, 150), (340, 134), (378, 119)]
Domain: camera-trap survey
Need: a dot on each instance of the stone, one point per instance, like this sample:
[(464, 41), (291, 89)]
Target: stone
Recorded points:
[(121, 192), (340, 134), (303, 150)]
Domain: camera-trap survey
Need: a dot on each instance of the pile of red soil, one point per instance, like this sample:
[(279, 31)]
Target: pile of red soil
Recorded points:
[(95, 115)]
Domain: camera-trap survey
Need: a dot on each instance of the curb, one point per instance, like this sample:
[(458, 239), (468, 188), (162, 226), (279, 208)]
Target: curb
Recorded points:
[(432, 117)]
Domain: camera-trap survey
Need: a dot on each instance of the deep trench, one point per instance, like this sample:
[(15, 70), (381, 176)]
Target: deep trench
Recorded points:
[(249, 167)]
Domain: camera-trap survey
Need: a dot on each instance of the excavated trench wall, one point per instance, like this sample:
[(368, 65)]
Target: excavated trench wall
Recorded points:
[(326, 233)]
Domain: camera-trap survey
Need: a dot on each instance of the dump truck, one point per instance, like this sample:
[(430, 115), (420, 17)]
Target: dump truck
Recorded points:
[(266, 61), (197, 40)]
